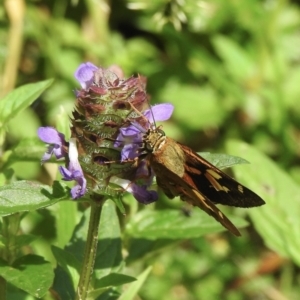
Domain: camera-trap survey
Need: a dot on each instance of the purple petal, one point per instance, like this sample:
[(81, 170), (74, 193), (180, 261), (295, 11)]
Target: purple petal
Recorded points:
[(80, 189), (142, 195), (129, 131), (66, 174), (119, 141), (144, 172), (139, 192), (50, 135), (128, 135), (85, 74), (161, 112), (129, 151), (74, 172), (139, 127), (48, 153), (56, 140)]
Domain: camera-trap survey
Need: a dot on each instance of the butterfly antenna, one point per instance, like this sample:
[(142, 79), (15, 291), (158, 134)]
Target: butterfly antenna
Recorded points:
[(137, 125), (151, 111)]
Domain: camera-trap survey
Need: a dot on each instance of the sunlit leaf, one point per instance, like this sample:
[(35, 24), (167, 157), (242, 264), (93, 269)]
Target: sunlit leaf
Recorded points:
[(278, 221), (223, 161), (25, 195), (21, 98), (30, 273)]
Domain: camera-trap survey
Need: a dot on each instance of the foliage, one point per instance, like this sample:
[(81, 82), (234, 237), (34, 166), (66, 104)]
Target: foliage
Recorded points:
[(231, 69)]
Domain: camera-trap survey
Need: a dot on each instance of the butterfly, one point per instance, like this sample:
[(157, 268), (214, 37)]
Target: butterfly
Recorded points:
[(182, 172)]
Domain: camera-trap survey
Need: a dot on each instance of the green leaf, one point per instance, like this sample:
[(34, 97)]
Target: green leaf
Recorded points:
[(63, 285), (278, 221), (109, 256), (111, 280), (25, 195), (134, 287), (22, 240), (173, 224), (69, 264), (114, 279), (21, 98), (237, 61), (109, 252), (65, 222), (30, 273), (223, 161)]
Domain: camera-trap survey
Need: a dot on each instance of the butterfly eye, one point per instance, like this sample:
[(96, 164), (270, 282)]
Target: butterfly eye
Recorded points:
[(148, 147)]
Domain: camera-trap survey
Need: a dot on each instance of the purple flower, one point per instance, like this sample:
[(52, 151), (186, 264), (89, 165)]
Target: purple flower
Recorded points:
[(56, 141), (85, 74), (74, 171)]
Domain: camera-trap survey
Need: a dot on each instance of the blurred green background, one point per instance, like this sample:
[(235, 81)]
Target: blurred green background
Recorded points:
[(231, 69)]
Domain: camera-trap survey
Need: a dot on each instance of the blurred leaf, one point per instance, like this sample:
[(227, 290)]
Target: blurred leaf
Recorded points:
[(131, 292), (237, 61), (173, 224), (196, 107), (23, 125), (28, 150), (24, 195), (21, 98), (68, 263), (142, 248), (278, 221), (22, 240), (30, 273), (222, 161)]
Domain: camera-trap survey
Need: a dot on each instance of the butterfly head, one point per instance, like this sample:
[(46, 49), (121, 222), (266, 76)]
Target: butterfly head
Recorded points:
[(154, 139)]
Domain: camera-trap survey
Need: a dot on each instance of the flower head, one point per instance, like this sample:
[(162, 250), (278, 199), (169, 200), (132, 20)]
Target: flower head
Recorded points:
[(111, 116)]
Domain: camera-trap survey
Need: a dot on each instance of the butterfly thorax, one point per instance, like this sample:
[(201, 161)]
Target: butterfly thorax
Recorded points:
[(153, 140)]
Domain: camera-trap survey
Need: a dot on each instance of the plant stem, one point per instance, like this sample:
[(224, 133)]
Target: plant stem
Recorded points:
[(15, 10), (90, 251)]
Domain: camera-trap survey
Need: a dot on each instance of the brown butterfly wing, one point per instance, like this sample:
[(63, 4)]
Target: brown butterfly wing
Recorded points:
[(215, 184), (173, 185)]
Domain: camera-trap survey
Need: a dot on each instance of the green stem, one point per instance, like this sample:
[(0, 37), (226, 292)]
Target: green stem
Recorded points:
[(90, 251)]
